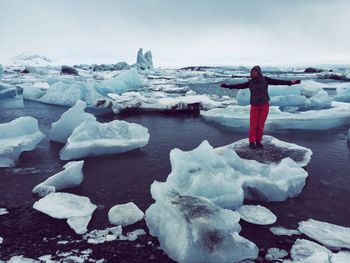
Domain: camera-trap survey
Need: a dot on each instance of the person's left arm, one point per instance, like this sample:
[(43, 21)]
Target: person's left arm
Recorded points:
[(272, 81)]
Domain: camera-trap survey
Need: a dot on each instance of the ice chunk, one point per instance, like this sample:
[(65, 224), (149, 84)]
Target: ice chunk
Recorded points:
[(256, 214), (281, 231), (92, 138), (341, 257), (69, 120), (1, 240), (125, 81), (310, 90), (76, 209), (243, 97), (330, 235), (321, 100), (306, 251), (105, 235), (125, 214), (21, 259), (275, 253), (17, 136), (343, 94), (144, 61), (3, 211), (193, 229), (71, 176), (32, 92)]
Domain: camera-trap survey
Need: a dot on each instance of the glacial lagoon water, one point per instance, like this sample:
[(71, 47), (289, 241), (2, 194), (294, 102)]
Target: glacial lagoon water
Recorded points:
[(111, 180)]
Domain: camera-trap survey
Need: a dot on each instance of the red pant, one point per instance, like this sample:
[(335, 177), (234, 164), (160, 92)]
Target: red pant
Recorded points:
[(258, 115)]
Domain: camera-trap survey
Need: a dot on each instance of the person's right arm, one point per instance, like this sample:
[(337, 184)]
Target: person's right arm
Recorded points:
[(244, 85)]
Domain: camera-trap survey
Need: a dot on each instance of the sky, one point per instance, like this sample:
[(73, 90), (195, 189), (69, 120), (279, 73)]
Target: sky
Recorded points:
[(178, 32)]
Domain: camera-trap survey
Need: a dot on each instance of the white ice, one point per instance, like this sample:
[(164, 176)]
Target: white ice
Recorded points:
[(193, 229), (76, 209), (63, 128), (3, 211), (17, 136), (92, 138), (330, 235), (238, 117), (71, 176), (125, 214), (281, 231), (275, 253), (256, 214)]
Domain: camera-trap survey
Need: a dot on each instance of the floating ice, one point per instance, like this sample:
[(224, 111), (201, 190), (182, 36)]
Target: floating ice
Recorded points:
[(275, 253), (330, 235), (21, 259), (111, 234), (125, 81), (69, 120), (281, 231), (193, 229), (92, 138), (3, 211), (256, 214), (307, 251), (17, 136), (125, 214), (238, 117), (76, 209), (32, 92), (71, 176), (343, 94)]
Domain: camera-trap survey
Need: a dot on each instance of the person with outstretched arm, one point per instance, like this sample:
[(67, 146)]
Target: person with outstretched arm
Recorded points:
[(259, 102)]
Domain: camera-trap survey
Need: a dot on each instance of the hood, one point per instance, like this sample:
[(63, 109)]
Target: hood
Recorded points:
[(256, 68)]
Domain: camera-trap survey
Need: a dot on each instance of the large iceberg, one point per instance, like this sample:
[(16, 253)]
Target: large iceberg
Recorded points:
[(330, 235), (144, 61), (71, 176), (76, 209), (69, 120), (125, 214), (17, 136), (238, 117), (92, 138), (193, 229)]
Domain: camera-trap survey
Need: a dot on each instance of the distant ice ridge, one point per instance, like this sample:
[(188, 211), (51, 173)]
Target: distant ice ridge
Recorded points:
[(76, 209), (30, 59), (238, 117), (17, 136), (193, 229), (69, 120), (144, 61), (71, 176), (92, 138)]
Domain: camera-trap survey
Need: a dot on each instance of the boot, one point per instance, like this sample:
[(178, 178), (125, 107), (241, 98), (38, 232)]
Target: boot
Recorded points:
[(252, 145), (259, 145)]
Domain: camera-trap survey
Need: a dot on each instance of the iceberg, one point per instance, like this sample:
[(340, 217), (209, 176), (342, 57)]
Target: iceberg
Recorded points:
[(256, 214), (330, 235), (71, 176), (92, 138), (76, 209), (144, 61), (125, 214), (238, 117), (69, 120), (193, 229), (17, 136)]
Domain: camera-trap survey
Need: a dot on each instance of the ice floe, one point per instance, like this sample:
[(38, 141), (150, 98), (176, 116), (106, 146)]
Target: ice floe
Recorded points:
[(275, 253), (17, 136), (3, 211), (71, 176), (193, 229), (92, 138), (69, 120), (76, 209), (256, 214), (307, 251), (281, 231), (21, 259), (125, 214)]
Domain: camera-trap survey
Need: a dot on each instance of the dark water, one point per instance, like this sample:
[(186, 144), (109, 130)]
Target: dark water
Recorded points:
[(127, 177)]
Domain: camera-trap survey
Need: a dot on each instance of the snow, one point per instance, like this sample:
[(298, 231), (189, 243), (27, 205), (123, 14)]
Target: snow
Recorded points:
[(275, 253), (17, 136), (126, 81), (69, 120), (238, 117), (125, 214), (76, 209), (3, 211), (256, 214), (193, 229), (307, 251), (330, 235), (281, 231), (71, 176), (92, 138)]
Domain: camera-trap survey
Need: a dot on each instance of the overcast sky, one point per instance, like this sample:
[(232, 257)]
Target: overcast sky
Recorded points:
[(179, 32)]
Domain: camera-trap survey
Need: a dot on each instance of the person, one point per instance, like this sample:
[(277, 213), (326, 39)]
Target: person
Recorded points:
[(259, 102)]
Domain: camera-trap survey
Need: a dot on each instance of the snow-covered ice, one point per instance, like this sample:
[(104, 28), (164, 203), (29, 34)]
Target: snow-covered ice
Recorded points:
[(330, 235), (281, 231), (71, 176), (69, 120), (256, 214), (275, 253), (92, 138), (193, 229), (76, 209), (125, 214), (17, 136)]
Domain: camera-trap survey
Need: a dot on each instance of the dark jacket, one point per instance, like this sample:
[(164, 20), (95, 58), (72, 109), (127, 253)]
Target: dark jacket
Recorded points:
[(258, 87)]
